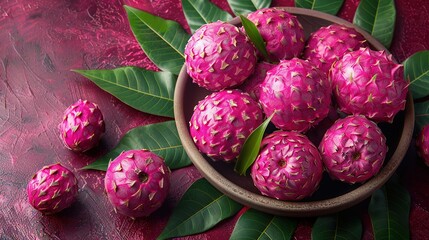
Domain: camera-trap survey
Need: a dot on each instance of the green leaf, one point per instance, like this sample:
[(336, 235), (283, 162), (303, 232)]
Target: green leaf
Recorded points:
[(327, 6), (421, 111), (247, 6), (254, 35), (377, 17), (201, 207), (160, 138), (146, 91), (389, 211), (251, 146), (162, 40), (343, 225), (257, 225), (199, 12), (416, 70)]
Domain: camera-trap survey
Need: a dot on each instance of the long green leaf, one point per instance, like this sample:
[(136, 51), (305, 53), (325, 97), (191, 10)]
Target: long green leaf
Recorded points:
[(160, 138), (327, 6), (146, 91), (416, 70), (162, 40), (254, 35), (389, 211), (421, 111), (257, 225), (199, 12), (247, 6), (251, 147), (343, 225), (201, 207), (377, 17)]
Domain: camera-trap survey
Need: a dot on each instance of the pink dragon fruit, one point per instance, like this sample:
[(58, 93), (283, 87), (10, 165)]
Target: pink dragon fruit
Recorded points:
[(281, 31), (353, 149), (368, 82), (329, 44), (252, 84), (422, 143), (289, 166), (82, 126), (298, 94), (219, 56), (222, 121), (52, 189), (137, 183)]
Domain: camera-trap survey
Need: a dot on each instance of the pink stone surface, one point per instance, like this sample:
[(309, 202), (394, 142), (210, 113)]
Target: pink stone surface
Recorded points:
[(41, 40)]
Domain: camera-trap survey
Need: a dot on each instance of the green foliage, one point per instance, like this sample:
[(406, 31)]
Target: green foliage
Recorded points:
[(199, 12), (343, 225), (247, 6), (201, 208), (146, 91), (377, 17), (328, 6), (416, 70), (162, 40), (160, 138), (254, 224)]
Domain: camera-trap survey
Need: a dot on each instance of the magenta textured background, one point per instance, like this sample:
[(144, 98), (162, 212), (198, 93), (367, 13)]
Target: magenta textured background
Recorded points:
[(41, 40)]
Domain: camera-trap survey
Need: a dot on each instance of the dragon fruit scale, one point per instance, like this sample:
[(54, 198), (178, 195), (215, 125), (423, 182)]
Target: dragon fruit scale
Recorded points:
[(222, 121), (368, 82), (52, 189), (289, 167), (82, 126), (298, 94), (422, 143), (330, 43), (353, 149), (281, 31), (218, 56), (137, 183)]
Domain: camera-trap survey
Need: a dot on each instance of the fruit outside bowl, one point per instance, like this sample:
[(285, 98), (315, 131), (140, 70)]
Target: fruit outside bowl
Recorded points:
[(332, 196)]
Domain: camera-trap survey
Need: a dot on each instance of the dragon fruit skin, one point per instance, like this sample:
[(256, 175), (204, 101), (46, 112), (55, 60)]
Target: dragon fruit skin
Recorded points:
[(353, 149), (368, 82), (137, 183), (252, 84), (222, 121), (330, 43), (298, 93), (218, 56), (289, 167), (82, 126), (281, 31), (52, 189), (422, 143)]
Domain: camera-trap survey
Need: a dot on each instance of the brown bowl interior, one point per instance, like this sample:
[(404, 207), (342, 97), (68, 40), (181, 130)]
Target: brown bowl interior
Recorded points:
[(332, 196)]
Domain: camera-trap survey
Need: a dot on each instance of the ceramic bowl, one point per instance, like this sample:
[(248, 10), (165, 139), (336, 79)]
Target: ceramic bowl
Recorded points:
[(332, 196)]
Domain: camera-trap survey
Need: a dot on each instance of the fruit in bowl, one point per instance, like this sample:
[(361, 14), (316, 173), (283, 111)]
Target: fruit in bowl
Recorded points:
[(330, 195)]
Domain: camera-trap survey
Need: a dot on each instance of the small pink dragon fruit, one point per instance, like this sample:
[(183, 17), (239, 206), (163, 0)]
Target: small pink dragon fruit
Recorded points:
[(82, 126), (329, 44), (298, 94), (422, 143), (222, 121), (289, 166), (367, 82), (137, 183), (219, 56), (52, 189), (252, 84), (353, 149), (281, 31)]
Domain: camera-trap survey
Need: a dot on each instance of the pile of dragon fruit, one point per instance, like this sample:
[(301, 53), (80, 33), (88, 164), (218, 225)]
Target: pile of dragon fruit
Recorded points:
[(332, 82), (136, 182)]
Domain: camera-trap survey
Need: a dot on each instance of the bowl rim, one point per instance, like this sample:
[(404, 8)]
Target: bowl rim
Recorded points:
[(288, 208)]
